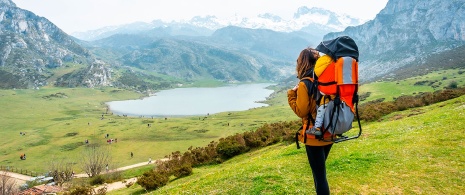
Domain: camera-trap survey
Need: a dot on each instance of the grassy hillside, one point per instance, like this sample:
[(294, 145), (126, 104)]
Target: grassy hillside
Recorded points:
[(58, 120), (418, 151), (427, 83)]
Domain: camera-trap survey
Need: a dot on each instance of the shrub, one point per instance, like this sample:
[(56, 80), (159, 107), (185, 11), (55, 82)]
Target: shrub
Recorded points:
[(81, 190), (374, 110), (231, 146), (251, 140), (97, 180), (452, 85), (183, 171), (153, 180)]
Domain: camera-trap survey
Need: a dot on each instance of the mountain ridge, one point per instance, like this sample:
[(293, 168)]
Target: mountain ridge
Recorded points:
[(405, 33), (318, 19), (33, 47)]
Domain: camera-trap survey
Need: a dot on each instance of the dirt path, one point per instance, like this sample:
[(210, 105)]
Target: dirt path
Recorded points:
[(20, 179), (122, 184), (121, 168), (18, 176), (117, 185)]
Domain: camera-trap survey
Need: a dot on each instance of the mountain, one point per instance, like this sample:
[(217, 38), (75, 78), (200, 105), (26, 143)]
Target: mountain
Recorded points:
[(32, 48), (277, 45), (230, 54), (405, 33), (315, 21)]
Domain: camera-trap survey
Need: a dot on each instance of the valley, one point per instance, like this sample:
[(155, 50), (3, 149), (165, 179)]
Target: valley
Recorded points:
[(54, 122)]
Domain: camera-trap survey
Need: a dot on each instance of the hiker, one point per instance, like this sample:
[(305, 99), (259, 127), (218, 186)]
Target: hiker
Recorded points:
[(150, 160), (304, 106), (132, 154)]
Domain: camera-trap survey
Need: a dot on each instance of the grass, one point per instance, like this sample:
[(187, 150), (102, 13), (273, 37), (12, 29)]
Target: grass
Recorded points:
[(428, 83), (386, 160), (57, 121), (412, 154)]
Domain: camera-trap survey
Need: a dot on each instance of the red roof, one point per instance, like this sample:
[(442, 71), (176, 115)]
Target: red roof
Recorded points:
[(39, 190)]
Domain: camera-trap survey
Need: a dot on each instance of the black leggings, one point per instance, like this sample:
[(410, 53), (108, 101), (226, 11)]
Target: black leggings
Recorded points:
[(317, 157)]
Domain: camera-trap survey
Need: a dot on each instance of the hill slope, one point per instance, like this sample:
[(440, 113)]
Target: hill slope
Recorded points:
[(416, 151)]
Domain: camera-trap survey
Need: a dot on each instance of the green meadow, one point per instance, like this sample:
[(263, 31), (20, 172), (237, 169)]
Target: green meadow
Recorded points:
[(428, 83), (57, 121), (416, 151)]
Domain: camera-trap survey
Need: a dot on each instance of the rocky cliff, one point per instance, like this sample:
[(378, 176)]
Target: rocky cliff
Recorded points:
[(405, 32), (31, 48)]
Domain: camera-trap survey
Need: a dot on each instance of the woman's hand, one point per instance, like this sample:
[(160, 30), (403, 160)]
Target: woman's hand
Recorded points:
[(295, 87)]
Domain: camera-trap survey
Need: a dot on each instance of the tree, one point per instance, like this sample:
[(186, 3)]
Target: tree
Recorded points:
[(7, 184), (61, 171), (95, 159)]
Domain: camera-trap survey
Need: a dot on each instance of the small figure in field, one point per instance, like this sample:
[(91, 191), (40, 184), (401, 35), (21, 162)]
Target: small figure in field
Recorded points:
[(132, 154), (150, 160)]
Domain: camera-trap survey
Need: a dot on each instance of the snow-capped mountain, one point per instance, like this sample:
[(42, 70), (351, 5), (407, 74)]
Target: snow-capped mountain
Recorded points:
[(305, 19)]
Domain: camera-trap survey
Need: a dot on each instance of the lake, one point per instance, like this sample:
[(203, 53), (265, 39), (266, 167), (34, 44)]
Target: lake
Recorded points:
[(195, 101)]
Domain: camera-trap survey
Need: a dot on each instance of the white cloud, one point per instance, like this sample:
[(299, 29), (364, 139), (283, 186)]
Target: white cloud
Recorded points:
[(83, 15)]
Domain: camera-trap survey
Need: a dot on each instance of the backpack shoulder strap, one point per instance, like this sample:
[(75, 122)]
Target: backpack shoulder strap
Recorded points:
[(312, 87)]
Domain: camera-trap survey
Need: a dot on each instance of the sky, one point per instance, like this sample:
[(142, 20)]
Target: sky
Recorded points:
[(83, 15)]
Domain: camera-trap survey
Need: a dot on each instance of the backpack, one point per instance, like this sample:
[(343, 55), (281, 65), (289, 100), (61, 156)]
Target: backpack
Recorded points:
[(339, 83)]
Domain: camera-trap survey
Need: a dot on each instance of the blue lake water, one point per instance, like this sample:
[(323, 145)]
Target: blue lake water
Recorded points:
[(195, 101)]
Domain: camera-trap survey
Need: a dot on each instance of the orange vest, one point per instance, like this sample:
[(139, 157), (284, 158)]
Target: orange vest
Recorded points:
[(340, 77)]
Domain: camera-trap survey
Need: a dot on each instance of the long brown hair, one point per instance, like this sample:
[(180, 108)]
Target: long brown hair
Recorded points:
[(305, 62)]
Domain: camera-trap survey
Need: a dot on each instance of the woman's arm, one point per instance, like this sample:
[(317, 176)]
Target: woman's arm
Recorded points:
[(299, 101)]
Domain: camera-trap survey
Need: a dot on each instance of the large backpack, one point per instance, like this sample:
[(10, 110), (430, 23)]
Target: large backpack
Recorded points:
[(339, 83)]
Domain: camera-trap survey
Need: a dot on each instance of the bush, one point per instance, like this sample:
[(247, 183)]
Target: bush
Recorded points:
[(452, 85), (81, 190), (153, 180), (183, 171), (231, 146), (97, 180), (113, 176), (374, 110)]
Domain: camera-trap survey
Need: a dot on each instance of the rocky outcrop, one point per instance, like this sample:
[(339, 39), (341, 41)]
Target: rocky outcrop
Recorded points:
[(97, 74), (405, 32), (31, 47)]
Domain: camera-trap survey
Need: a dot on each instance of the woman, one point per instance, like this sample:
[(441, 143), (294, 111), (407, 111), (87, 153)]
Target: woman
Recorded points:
[(304, 106)]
